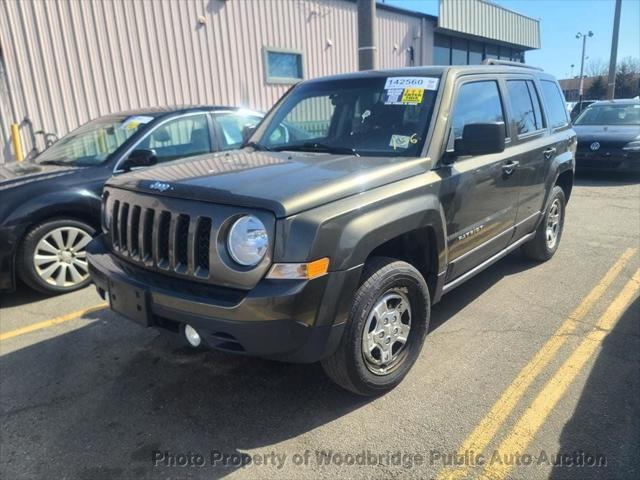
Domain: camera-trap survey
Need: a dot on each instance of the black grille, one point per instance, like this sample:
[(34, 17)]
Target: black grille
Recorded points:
[(147, 235), (134, 232), (179, 242), (115, 238), (203, 236), (182, 239), (122, 228), (163, 239)]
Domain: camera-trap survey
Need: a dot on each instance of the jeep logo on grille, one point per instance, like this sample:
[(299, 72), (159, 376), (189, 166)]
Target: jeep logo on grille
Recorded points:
[(595, 146), (162, 187)]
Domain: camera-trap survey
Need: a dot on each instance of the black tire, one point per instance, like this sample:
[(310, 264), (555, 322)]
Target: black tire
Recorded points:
[(25, 264), (539, 248), (347, 366)]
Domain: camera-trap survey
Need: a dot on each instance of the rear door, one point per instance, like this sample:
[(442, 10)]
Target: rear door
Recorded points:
[(482, 198), (531, 140)]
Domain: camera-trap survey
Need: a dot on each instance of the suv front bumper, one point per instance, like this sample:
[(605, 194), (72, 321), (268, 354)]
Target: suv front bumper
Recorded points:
[(294, 321)]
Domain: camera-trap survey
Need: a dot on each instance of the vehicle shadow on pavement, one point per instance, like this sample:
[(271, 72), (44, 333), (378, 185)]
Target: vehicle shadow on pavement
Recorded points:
[(473, 288), (606, 420), (605, 179), (96, 403), (22, 296)]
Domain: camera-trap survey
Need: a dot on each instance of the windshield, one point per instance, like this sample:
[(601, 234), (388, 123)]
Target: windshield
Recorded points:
[(384, 116), (610, 115), (92, 143)]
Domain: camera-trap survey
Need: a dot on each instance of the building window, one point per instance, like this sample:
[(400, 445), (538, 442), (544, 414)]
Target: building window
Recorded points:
[(442, 50), (491, 51), (458, 51), (518, 56), (505, 53), (476, 51), (283, 66)]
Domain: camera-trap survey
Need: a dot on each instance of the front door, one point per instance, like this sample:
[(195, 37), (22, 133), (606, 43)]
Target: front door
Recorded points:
[(481, 196)]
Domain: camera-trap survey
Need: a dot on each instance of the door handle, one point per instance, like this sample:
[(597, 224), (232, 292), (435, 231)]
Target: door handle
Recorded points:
[(549, 152), (509, 167)]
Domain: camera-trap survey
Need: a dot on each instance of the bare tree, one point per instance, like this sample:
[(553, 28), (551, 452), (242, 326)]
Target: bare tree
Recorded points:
[(596, 68), (630, 64)]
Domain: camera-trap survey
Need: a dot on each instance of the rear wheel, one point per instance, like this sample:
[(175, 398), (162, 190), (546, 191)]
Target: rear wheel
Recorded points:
[(385, 330), (52, 257), (549, 232)]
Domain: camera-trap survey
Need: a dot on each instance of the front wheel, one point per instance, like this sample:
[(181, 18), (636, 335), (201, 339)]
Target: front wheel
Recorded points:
[(385, 330), (52, 257), (547, 238)]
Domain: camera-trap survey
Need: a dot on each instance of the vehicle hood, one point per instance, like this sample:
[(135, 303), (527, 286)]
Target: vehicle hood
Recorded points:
[(283, 182), (21, 173), (609, 133)]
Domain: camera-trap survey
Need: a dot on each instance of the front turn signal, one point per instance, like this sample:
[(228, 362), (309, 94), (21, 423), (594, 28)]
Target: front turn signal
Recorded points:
[(299, 271)]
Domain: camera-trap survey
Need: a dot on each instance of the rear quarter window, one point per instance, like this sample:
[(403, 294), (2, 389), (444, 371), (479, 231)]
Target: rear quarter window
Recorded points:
[(554, 101)]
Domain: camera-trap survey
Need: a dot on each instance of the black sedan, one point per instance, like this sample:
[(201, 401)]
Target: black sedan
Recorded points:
[(609, 136), (50, 206)]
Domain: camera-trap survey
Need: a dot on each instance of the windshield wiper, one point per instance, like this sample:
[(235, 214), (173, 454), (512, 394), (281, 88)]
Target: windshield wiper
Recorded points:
[(257, 146), (318, 147)]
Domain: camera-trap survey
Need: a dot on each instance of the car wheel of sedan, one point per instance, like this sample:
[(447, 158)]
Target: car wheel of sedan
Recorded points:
[(385, 330), (52, 257)]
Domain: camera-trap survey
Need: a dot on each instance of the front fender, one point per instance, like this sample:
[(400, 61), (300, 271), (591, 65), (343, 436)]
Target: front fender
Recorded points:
[(347, 231), (81, 203)]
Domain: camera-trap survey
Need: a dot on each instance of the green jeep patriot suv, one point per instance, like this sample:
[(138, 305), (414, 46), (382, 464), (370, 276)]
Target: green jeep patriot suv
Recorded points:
[(355, 204)]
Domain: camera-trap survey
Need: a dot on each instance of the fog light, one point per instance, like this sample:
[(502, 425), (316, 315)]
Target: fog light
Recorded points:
[(192, 336)]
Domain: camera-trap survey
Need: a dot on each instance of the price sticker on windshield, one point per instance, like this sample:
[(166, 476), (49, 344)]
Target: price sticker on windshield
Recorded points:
[(423, 83)]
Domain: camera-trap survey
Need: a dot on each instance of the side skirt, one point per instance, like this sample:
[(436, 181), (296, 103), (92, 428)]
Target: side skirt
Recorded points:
[(490, 261)]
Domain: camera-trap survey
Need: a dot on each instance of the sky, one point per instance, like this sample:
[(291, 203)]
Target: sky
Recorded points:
[(560, 20)]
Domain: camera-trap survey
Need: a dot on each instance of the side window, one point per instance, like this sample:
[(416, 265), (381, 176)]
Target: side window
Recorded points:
[(178, 138), (555, 104), (525, 108), (477, 102), (537, 105), (230, 127)]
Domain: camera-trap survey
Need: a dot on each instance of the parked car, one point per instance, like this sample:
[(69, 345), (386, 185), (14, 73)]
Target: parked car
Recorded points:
[(50, 207), (609, 136), (334, 249), (580, 107)]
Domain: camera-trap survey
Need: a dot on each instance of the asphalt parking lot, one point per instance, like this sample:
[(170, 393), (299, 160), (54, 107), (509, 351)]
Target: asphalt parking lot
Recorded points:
[(530, 371)]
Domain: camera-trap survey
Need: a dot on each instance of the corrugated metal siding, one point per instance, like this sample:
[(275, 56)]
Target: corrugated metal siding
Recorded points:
[(69, 61), (485, 19)]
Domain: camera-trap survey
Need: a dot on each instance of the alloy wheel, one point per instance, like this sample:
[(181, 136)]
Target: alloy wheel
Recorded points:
[(60, 258)]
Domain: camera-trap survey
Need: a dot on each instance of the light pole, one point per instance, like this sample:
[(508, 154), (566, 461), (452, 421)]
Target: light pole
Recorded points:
[(584, 46), (611, 82)]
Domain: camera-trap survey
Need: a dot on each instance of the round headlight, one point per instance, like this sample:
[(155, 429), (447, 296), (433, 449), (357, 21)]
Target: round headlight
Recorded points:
[(248, 241)]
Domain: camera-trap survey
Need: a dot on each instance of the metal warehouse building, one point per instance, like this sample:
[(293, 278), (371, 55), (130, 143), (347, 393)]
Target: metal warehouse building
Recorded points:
[(63, 63)]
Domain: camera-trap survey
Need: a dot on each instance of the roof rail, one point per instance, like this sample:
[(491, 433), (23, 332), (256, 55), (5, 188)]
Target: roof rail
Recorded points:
[(493, 61)]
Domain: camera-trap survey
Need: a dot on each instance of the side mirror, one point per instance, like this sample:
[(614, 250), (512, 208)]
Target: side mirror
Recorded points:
[(139, 158), (247, 131), (481, 139)]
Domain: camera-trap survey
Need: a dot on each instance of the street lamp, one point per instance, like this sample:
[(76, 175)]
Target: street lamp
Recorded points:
[(584, 45)]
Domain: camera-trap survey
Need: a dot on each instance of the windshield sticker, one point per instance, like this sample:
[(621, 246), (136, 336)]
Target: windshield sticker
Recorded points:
[(412, 96), (400, 141), (132, 123), (425, 83), (406, 96), (393, 96)]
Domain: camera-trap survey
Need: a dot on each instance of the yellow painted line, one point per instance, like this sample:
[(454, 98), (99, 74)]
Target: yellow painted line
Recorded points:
[(534, 417), (50, 323), (484, 432)]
